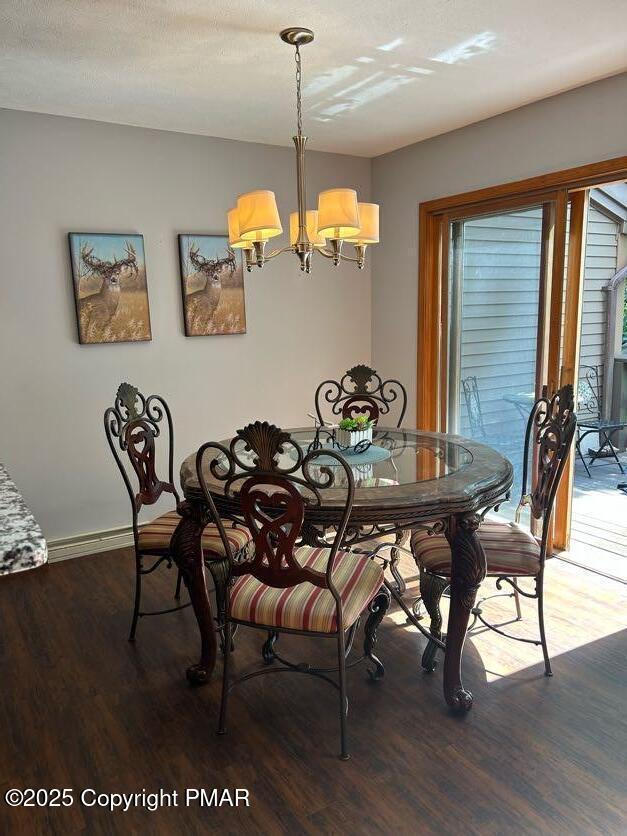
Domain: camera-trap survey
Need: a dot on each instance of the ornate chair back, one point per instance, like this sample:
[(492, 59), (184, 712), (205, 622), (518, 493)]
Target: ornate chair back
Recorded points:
[(589, 392), (548, 441), (472, 399), (274, 480), (361, 391), (131, 425)]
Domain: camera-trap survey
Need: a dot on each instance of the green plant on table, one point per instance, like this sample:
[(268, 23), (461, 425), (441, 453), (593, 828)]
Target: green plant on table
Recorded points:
[(361, 422)]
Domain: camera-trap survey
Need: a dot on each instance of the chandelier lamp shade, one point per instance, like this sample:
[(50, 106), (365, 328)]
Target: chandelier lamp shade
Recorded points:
[(340, 218)]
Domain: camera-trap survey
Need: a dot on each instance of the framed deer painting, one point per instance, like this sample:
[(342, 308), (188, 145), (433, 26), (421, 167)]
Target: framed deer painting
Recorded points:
[(212, 281), (110, 289)]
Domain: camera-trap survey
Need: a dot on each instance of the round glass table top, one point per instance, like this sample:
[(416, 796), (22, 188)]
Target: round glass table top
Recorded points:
[(403, 469), (395, 457)]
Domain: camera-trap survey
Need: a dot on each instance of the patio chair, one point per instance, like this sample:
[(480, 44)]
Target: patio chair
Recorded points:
[(508, 443), (590, 421), (472, 399), (284, 585), (511, 551), (131, 426)]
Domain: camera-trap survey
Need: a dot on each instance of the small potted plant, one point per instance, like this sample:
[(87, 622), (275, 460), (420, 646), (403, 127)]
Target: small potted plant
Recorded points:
[(355, 431)]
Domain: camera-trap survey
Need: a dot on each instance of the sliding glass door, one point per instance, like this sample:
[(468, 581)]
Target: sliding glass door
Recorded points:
[(496, 302)]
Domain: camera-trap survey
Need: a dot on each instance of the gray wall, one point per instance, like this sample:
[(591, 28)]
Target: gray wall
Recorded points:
[(59, 175), (582, 126)]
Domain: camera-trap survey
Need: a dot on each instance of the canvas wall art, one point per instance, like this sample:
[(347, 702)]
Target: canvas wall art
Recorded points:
[(212, 281), (110, 287)]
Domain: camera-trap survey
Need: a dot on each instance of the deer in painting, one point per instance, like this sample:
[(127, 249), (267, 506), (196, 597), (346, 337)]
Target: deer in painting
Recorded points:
[(97, 310), (202, 304)]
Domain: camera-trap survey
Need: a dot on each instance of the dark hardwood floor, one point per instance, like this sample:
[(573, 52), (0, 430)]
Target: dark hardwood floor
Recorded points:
[(81, 708)]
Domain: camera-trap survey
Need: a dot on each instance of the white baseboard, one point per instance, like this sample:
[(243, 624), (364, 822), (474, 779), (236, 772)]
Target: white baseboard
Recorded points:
[(97, 541)]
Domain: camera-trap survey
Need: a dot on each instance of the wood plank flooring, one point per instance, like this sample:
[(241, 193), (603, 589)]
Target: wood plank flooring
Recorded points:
[(80, 708), (599, 522)]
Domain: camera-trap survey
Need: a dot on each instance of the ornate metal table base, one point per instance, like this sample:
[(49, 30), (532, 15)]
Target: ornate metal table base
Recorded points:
[(468, 569), (187, 553)]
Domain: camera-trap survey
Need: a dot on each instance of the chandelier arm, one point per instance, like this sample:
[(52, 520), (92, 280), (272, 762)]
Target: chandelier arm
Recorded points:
[(359, 259), (279, 251)]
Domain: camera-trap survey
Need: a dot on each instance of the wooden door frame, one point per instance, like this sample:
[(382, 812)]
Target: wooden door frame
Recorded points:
[(434, 217)]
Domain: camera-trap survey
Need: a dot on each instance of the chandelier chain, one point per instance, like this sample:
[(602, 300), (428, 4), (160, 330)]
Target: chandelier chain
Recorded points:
[(299, 113)]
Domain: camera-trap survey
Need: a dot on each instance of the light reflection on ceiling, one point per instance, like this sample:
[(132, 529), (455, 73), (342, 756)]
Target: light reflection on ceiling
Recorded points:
[(467, 49), (384, 81)]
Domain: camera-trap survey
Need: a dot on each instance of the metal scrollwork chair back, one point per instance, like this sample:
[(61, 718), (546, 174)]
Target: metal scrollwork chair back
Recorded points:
[(589, 392), (132, 425), (273, 498), (548, 440), (361, 391), (274, 482)]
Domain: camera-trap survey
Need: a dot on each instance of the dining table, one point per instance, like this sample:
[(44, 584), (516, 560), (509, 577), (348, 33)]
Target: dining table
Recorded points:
[(407, 479)]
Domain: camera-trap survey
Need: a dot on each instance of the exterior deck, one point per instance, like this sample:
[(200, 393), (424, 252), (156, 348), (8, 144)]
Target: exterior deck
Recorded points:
[(599, 522)]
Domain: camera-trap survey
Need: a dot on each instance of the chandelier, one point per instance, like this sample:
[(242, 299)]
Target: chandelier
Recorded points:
[(339, 218)]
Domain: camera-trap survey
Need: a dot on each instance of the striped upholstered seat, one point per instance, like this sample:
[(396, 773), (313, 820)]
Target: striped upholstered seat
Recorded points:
[(305, 606), (155, 536), (509, 550)]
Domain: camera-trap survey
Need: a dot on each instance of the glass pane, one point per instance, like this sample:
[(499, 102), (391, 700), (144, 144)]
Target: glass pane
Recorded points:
[(494, 289), (395, 457)]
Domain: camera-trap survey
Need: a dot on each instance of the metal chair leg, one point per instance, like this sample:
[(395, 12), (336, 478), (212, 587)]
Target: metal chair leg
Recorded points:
[(138, 595), (608, 442), (431, 589), (219, 572), (341, 660), (267, 649), (545, 652), (377, 608), (225, 677), (395, 557), (517, 602), (585, 464), (179, 578)]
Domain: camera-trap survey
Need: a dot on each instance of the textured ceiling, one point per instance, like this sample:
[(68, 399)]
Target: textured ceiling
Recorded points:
[(380, 74)]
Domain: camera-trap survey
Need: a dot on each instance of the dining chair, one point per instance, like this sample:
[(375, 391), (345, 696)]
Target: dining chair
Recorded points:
[(286, 584), (362, 391), (512, 552), (132, 425), (590, 420)]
